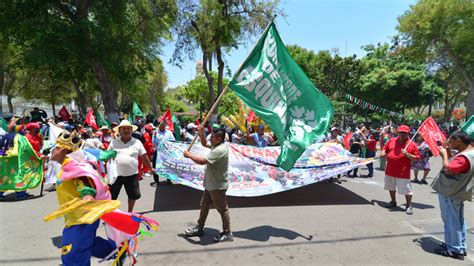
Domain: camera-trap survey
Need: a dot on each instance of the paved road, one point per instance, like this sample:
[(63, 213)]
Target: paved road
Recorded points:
[(324, 223)]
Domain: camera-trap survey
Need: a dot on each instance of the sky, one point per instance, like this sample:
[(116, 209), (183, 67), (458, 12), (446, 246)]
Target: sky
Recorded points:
[(315, 25)]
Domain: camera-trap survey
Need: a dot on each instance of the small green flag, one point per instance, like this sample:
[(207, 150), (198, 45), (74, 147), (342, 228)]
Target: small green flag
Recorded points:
[(136, 111), (107, 155), (177, 128), (101, 120), (21, 169), (469, 127), (272, 84)]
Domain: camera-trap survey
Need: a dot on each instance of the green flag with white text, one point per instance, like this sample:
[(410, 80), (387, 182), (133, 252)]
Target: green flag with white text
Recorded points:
[(278, 91), (469, 127)]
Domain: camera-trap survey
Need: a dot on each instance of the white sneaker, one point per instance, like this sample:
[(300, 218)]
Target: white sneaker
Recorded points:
[(409, 210)]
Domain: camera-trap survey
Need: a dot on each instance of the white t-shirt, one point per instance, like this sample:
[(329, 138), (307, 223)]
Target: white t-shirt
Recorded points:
[(127, 155)]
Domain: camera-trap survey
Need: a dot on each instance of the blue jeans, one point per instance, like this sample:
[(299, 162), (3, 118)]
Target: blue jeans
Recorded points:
[(370, 154), (452, 213)]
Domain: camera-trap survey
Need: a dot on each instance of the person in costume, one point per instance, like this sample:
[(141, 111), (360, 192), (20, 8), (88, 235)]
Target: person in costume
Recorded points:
[(79, 183)]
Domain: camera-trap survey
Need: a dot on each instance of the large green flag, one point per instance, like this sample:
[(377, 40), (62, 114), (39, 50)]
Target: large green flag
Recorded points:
[(278, 91), (136, 111), (21, 169), (469, 127)]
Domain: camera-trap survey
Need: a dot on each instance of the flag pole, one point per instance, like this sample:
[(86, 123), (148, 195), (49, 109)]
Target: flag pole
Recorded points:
[(411, 139), (226, 87), (209, 115)]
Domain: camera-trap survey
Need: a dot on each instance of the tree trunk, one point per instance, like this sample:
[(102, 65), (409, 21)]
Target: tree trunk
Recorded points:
[(153, 102), (210, 80), (2, 80), (220, 74), (10, 104), (81, 97), (106, 90), (470, 100)]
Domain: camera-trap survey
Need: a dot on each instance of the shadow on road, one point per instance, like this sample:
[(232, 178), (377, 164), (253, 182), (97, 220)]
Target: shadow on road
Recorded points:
[(416, 205), (428, 243), (260, 233), (178, 197)]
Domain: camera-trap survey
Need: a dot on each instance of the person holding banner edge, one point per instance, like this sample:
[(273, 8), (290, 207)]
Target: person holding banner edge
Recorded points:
[(399, 152), (215, 183)]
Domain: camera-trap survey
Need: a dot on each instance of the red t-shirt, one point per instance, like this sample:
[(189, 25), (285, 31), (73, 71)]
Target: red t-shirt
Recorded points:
[(459, 165), (371, 143), (397, 164)]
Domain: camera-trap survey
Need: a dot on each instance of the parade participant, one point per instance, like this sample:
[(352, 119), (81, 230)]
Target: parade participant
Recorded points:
[(356, 143), (384, 137), (215, 184), (34, 138), (79, 180), (190, 132), (106, 137), (399, 153), (236, 136), (454, 186), (423, 164), (148, 143), (371, 149), (259, 139), (38, 115), (161, 134), (128, 151)]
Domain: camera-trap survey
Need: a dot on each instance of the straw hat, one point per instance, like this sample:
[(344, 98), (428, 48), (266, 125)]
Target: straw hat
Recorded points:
[(104, 127), (125, 123)]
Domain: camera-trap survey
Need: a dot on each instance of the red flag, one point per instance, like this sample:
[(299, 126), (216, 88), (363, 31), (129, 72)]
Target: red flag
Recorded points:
[(432, 135), (168, 120), (347, 138), (90, 119), (251, 117), (64, 114)]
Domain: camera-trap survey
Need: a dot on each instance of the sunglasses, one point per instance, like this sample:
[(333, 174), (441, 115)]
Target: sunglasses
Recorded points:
[(67, 136)]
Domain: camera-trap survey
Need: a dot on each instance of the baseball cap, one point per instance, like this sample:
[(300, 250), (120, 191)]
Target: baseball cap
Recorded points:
[(403, 128)]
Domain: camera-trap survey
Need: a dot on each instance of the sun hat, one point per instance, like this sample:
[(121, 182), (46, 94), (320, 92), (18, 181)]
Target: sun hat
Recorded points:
[(125, 123)]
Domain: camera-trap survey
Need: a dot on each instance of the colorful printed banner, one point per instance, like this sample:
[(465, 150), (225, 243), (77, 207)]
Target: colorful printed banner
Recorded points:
[(21, 169), (373, 107), (253, 171)]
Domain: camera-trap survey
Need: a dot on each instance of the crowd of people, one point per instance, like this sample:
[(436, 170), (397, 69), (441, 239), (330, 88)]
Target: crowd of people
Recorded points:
[(135, 144)]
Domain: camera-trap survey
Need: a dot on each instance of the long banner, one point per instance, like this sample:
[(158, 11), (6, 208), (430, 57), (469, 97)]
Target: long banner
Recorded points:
[(253, 171)]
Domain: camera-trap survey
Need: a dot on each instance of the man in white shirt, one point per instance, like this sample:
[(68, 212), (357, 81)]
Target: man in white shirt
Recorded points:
[(128, 149), (161, 134)]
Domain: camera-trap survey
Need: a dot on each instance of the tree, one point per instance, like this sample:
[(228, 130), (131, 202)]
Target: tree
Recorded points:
[(215, 27), (392, 80), (116, 41), (443, 27), (196, 91)]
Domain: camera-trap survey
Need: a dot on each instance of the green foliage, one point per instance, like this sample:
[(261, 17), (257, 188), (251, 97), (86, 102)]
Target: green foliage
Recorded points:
[(440, 32)]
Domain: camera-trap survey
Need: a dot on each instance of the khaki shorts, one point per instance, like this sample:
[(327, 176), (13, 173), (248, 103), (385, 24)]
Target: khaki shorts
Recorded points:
[(401, 185)]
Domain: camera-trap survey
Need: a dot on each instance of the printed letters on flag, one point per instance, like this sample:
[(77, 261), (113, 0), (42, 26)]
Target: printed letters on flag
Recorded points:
[(432, 135)]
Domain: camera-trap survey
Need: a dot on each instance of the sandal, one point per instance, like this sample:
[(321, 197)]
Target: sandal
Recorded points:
[(447, 253)]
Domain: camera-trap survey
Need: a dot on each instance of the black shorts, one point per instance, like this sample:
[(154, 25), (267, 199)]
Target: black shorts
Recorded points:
[(131, 184)]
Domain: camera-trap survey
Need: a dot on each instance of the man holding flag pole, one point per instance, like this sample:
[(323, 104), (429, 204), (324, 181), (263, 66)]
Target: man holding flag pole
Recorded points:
[(276, 89)]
